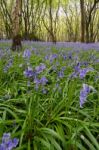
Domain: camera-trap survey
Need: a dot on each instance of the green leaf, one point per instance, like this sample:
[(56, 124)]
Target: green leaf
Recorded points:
[(92, 138)]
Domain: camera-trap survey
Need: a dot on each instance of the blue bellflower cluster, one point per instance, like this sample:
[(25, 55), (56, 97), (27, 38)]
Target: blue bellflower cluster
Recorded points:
[(7, 142), (27, 54), (33, 74), (41, 81), (28, 72), (40, 68), (83, 94), (61, 74), (51, 57), (10, 62), (81, 72)]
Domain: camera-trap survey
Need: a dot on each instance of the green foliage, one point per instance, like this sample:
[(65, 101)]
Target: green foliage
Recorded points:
[(52, 121)]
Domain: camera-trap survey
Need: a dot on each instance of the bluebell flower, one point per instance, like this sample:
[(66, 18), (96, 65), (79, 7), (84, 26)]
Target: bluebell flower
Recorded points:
[(15, 142), (36, 81), (77, 67), (81, 72), (74, 75), (39, 82), (10, 62), (46, 57), (63, 68), (6, 137), (44, 91), (8, 143), (84, 71), (64, 56), (29, 72), (33, 49), (27, 54), (60, 74), (2, 146), (40, 68), (52, 57), (97, 61), (84, 93), (43, 80), (85, 63)]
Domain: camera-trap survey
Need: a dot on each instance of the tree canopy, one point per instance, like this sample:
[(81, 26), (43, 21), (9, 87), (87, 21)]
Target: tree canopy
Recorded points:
[(48, 20)]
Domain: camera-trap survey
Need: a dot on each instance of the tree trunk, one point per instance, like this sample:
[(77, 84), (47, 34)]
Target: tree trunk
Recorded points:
[(82, 20), (16, 44)]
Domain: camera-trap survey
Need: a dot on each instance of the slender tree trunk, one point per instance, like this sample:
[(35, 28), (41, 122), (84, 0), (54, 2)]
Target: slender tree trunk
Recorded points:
[(53, 38), (82, 20), (16, 45)]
